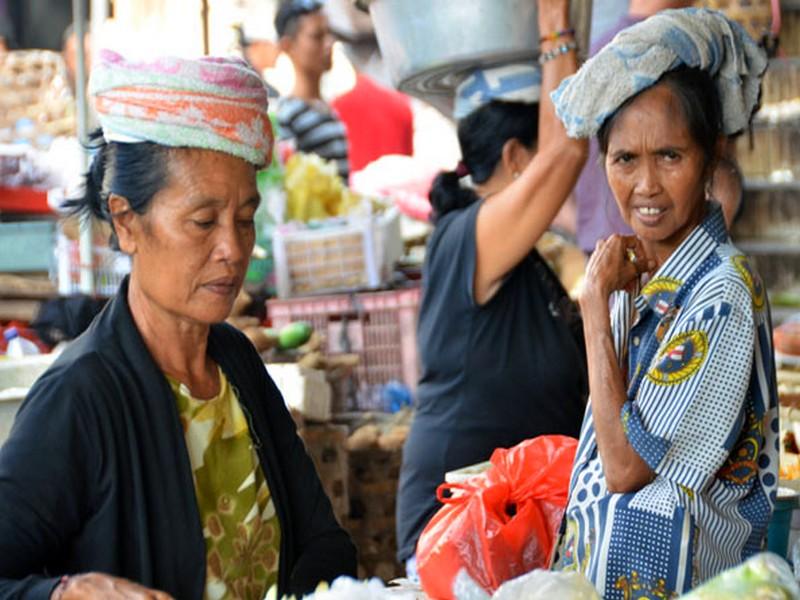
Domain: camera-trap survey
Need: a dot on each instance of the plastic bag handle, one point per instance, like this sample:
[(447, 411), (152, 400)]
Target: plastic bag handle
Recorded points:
[(449, 487)]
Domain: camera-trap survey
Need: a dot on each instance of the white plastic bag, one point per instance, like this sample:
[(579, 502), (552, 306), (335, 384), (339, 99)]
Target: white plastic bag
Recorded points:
[(546, 585), (536, 585), (764, 576), (346, 588)]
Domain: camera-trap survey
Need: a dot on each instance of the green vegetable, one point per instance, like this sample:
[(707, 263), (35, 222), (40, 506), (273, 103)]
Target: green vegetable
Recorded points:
[(764, 576), (294, 335), (790, 298)]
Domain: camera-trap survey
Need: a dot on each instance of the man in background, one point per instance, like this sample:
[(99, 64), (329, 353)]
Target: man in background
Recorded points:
[(303, 116), (259, 40), (379, 120)]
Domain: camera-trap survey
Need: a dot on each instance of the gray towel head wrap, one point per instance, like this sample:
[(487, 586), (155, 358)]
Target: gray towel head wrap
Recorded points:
[(638, 56)]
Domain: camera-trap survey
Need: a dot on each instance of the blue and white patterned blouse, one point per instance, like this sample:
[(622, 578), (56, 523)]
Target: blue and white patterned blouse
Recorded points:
[(702, 412)]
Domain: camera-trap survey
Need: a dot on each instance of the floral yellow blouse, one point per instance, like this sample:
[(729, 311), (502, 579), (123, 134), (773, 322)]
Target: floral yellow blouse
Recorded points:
[(240, 524)]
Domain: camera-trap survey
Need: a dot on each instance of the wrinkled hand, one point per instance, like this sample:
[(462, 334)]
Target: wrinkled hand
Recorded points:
[(98, 585), (615, 264)]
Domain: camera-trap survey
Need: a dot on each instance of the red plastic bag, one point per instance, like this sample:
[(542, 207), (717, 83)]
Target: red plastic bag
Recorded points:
[(500, 524)]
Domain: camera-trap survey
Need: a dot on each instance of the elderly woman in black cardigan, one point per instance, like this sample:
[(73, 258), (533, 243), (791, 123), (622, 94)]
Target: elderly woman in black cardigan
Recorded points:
[(157, 453)]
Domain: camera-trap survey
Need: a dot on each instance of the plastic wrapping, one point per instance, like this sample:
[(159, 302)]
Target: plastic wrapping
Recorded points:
[(501, 524), (347, 588), (536, 585), (765, 576), (547, 585)]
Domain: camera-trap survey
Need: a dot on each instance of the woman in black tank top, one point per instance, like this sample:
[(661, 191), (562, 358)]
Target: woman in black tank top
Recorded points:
[(500, 343)]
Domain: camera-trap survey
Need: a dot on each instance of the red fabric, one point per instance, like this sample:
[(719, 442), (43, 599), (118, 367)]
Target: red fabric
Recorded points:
[(378, 121), (23, 200)]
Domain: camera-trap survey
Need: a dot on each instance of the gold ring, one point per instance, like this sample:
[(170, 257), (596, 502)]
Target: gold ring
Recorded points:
[(631, 254)]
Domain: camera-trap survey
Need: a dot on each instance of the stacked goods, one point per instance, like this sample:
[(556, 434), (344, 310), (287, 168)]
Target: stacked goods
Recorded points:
[(36, 107), (566, 260), (768, 228), (787, 360), (375, 453), (754, 15), (326, 444), (356, 252), (769, 225), (306, 375), (314, 189), (291, 336), (295, 361), (36, 103), (250, 326), (771, 214), (371, 522), (328, 259), (109, 267), (770, 153), (790, 32), (306, 392), (780, 93), (379, 329), (333, 239), (295, 388)]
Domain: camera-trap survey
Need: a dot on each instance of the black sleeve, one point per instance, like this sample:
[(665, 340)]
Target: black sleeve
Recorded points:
[(453, 257), (44, 491), (323, 550)]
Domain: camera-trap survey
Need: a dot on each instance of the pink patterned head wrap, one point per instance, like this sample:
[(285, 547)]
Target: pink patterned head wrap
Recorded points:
[(212, 103)]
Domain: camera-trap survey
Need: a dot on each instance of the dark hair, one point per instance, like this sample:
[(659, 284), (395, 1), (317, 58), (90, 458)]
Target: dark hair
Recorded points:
[(481, 136), (137, 172), (699, 101), (241, 39), (289, 12)]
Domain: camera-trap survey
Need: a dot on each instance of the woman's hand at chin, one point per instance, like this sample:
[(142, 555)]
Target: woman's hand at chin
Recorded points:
[(616, 264)]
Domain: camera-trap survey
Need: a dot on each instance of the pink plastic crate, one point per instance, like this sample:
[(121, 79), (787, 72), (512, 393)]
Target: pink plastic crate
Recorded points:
[(381, 327)]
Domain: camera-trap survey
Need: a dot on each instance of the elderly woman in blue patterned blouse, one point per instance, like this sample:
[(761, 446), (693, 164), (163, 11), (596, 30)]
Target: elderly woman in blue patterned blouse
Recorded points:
[(675, 476)]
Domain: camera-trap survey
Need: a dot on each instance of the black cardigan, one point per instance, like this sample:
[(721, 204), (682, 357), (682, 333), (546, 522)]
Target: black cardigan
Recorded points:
[(95, 475)]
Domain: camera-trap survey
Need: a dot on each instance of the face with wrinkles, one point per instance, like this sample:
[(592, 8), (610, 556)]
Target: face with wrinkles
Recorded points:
[(191, 248), (656, 170)]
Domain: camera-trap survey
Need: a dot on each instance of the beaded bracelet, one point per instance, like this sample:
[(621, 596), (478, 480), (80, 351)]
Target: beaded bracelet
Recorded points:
[(557, 51), (555, 35)]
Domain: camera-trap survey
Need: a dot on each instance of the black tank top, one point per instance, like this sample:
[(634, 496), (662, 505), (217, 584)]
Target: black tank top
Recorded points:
[(492, 375)]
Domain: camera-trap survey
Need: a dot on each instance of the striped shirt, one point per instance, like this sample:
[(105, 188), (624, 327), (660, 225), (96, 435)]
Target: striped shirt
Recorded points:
[(701, 411), (315, 129)]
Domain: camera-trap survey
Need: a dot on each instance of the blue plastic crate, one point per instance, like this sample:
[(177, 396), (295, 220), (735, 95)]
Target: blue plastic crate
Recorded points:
[(27, 246)]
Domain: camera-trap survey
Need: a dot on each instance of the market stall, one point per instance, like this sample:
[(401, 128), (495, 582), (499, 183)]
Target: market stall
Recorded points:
[(332, 294)]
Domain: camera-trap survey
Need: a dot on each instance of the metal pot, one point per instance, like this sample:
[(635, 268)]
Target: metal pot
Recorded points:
[(430, 46)]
